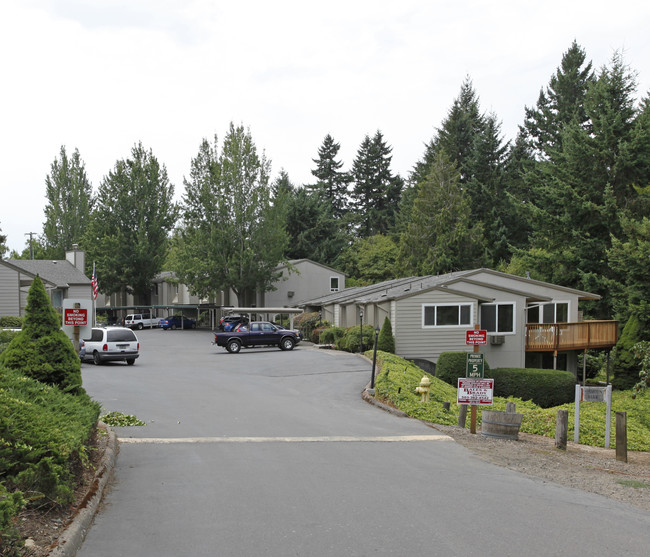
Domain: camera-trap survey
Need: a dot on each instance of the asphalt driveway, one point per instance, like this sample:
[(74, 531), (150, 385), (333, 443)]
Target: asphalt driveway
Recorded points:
[(274, 453)]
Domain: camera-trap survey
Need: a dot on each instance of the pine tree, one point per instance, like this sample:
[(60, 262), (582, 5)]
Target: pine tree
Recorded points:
[(442, 236), (41, 350), (332, 184), (376, 191), (562, 103)]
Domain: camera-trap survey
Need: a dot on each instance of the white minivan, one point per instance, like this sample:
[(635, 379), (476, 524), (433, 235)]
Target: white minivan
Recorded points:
[(140, 321)]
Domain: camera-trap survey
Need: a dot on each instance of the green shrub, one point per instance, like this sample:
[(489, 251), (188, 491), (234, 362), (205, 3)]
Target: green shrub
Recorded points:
[(306, 323), (545, 387), (10, 505), (5, 338), (386, 340), (331, 335), (42, 433), (626, 366), (42, 350), (452, 365), (11, 322), (351, 340)]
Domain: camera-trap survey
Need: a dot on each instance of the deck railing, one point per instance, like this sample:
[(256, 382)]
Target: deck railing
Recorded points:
[(542, 337)]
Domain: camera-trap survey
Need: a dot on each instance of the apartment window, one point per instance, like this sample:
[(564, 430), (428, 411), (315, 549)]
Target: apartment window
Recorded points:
[(554, 312), (334, 284), (498, 318), (446, 315)]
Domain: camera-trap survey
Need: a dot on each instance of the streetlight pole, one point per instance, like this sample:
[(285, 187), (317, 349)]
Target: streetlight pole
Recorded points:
[(374, 360), (361, 320)]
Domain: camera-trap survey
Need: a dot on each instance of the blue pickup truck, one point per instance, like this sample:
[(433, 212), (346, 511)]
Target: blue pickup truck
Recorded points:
[(257, 333)]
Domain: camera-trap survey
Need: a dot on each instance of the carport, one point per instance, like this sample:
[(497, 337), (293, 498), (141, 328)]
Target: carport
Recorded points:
[(264, 314)]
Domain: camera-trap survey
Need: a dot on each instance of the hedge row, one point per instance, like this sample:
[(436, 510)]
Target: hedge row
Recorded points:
[(545, 387)]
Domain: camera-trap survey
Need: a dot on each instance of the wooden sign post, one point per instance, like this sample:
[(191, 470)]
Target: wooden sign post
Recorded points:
[(475, 337)]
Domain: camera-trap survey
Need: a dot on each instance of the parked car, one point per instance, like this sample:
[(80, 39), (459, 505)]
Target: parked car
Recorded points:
[(230, 322), (297, 331), (140, 320), (177, 322), (258, 333), (82, 349), (112, 344)]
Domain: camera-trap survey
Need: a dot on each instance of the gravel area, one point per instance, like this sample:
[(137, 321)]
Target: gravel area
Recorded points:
[(583, 467)]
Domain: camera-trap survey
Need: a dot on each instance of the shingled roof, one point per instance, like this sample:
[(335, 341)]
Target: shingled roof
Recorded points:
[(61, 273)]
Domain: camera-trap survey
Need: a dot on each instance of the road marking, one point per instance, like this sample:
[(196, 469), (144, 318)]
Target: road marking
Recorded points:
[(324, 439)]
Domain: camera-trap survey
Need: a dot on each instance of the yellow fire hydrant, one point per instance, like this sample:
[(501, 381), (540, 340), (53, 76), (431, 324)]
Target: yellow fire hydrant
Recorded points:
[(423, 389)]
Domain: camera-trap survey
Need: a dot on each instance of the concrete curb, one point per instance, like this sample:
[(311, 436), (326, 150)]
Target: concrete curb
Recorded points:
[(69, 543)]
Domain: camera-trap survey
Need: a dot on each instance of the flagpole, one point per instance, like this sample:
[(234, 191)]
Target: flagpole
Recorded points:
[(94, 287)]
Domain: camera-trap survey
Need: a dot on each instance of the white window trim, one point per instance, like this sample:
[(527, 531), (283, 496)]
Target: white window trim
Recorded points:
[(338, 281), (514, 317), (458, 305), (541, 311)]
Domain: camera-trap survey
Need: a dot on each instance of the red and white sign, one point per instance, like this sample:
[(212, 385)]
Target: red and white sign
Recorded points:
[(77, 317), (475, 337), (475, 391)]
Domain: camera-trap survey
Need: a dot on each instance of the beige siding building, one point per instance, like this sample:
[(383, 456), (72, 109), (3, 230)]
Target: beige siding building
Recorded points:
[(529, 323), (63, 279)]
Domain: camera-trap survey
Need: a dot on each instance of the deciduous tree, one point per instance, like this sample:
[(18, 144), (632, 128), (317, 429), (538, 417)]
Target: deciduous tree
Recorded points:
[(128, 235), (69, 204), (232, 235)]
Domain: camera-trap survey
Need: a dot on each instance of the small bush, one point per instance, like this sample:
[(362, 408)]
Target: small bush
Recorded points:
[(331, 335), (306, 323), (386, 340), (6, 337), (351, 341), (452, 365), (11, 322)]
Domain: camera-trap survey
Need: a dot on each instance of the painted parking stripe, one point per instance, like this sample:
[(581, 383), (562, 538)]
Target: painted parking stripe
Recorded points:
[(324, 439)]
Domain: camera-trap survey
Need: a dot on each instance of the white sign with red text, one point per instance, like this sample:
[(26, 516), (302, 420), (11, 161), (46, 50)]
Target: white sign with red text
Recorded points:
[(475, 391)]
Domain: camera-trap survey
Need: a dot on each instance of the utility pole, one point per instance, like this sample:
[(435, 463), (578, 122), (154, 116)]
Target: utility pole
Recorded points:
[(31, 243)]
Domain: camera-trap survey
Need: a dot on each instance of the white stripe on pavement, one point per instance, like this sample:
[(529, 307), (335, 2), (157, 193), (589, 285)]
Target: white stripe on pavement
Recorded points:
[(324, 439)]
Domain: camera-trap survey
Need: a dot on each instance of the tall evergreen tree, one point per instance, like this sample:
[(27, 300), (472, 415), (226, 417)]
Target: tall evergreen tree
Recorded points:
[(442, 236), (232, 235), (332, 184), (128, 233), (562, 103), (581, 189), (70, 202), (376, 191), (457, 136)]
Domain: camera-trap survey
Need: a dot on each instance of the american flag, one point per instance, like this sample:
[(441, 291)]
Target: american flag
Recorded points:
[(93, 281)]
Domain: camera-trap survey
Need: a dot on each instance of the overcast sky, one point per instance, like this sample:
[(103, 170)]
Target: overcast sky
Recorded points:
[(102, 75)]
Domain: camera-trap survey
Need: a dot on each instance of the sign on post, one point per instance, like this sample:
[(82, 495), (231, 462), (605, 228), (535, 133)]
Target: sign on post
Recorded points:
[(475, 365), (593, 394), (77, 317), (475, 336), (473, 391)]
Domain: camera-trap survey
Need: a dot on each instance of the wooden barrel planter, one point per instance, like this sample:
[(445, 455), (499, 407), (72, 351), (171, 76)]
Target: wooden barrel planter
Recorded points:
[(503, 425)]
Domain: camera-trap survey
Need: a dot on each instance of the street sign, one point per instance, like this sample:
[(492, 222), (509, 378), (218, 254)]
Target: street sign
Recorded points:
[(77, 317), (475, 365), (475, 391), (476, 336)]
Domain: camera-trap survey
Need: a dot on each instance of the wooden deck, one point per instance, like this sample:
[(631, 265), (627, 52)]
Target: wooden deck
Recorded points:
[(551, 337)]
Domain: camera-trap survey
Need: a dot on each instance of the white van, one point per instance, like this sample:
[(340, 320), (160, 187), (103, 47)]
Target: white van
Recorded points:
[(140, 321)]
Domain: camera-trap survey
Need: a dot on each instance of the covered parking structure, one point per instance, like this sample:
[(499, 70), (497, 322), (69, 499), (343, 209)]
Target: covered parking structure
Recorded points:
[(264, 313)]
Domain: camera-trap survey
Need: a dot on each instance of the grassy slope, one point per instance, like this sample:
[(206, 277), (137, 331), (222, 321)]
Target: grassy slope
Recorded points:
[(398, 378)]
